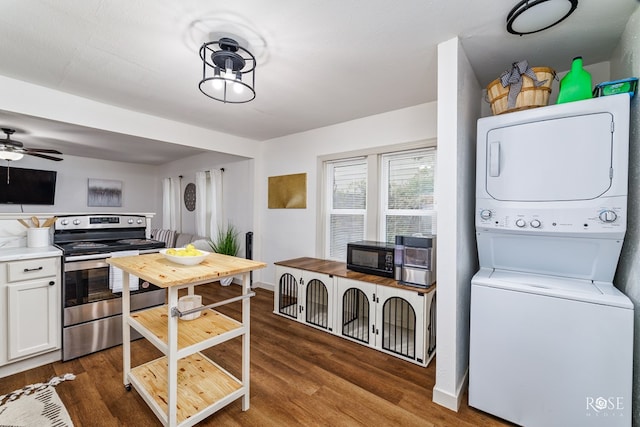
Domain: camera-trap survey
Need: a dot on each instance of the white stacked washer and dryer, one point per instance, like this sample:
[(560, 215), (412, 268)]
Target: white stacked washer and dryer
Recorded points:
[(551, 337)]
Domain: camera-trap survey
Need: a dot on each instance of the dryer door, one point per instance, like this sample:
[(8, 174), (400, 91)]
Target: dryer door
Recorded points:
[(561, 159)]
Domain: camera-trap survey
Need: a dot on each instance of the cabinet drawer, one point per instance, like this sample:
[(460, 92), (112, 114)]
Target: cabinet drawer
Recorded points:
[(32, 269)]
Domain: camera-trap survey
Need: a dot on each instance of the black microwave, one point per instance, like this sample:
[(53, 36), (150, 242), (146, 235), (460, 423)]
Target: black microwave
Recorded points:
[(371, 257)]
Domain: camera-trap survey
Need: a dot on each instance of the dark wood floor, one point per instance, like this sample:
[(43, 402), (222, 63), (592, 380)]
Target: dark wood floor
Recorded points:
[(299, 377)]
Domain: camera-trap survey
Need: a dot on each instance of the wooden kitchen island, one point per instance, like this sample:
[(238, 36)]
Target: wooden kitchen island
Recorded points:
[(183, 387)]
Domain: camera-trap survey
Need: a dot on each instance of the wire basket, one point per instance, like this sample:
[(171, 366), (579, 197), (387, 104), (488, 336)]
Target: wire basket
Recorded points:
[(530, 96)]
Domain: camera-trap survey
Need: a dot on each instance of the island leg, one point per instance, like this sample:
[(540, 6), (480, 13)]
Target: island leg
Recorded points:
[(172, 359), (126, 331), (246, 340)]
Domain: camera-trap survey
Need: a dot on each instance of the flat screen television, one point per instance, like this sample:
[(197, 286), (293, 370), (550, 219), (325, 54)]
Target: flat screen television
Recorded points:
[(27, 186)]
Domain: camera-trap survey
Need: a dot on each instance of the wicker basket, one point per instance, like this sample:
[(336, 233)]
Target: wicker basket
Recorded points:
[(530, 96)]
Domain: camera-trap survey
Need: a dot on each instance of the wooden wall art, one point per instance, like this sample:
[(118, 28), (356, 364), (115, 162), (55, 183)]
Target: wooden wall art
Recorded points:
[(288, 191)]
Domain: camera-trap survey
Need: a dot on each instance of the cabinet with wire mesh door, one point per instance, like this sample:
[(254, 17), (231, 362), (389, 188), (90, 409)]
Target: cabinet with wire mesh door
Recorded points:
[(394, 320), (305, 296)]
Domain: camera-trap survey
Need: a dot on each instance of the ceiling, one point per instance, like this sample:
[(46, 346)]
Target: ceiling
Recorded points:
[(320, 62)]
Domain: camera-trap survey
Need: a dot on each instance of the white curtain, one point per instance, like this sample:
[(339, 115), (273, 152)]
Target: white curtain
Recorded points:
[(169, 204), (202, 205), (209, 216), (217, 218)]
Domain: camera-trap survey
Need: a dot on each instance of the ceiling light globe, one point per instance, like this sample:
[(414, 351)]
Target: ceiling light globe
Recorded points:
[(217, 84), (10, 155), (238, 88)]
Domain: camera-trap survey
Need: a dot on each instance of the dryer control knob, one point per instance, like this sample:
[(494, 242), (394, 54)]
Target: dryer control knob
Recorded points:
[(485, 214), (608, 216), (521, 223), (535, 223)]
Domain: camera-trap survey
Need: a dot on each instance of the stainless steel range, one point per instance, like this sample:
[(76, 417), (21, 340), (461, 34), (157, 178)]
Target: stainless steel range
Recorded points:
[(91, 293)]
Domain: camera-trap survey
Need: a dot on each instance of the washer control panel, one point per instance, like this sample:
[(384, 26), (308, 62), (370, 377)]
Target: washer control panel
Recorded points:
[(602, 219)]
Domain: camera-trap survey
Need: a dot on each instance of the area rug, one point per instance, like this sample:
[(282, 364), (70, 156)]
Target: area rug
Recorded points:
[(35, 405)]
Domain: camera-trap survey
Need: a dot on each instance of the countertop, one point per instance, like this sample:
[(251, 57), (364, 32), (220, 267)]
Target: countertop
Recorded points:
[(158, 270), (335, 268), (15, 254)]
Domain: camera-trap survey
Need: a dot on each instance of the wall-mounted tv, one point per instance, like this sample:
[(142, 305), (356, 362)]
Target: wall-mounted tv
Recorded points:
[(27, 186)]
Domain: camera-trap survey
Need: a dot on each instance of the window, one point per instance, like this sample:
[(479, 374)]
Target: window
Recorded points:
[(347, 204), (377, 197), (406, 192)]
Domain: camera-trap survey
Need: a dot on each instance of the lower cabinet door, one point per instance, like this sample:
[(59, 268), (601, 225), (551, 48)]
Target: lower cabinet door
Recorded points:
[(317, 300), (286, 296), (32, 323), (356, 310), (401, 322)]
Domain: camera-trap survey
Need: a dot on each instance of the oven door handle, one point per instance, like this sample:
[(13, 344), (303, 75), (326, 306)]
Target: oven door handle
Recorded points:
[(85, 265)]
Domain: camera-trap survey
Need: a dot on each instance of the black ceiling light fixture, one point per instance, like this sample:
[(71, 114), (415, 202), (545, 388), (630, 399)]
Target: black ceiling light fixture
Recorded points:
[(228, 71), (524, 19)]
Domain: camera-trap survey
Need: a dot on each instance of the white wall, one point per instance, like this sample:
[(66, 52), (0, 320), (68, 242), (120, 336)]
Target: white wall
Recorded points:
[(25, 98), (626, 63), (237, 189), (142, 190), (138, 185), (458, 110), (290, 233)]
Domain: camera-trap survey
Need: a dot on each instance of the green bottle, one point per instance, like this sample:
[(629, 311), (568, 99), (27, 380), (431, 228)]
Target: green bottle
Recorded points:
[(576, 84)]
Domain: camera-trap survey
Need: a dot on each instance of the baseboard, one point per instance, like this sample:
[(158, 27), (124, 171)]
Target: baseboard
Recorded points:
[(448, 400), (261, 285), (30, 363), (266, 286)]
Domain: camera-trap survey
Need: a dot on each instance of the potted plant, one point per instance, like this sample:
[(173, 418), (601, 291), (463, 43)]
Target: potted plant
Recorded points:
[(226, 243)]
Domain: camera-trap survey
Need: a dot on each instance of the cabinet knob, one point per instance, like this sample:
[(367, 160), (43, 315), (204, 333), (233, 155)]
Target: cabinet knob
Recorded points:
[(51, 283)]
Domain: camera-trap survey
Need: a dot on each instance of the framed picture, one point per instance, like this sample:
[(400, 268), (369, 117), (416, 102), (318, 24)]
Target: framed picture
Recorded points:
[(288, 191), (104, 192)]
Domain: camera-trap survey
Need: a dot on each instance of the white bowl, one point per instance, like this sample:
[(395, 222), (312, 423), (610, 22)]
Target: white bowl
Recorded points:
[(184, 260)]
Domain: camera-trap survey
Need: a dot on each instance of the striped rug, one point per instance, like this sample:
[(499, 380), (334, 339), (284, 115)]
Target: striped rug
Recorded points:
[(35, 405)]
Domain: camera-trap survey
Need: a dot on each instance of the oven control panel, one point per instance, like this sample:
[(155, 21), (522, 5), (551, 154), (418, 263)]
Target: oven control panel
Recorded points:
[(83, 222)]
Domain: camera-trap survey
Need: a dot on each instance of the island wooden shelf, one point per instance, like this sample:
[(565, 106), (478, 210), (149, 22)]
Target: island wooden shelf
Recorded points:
[(215, 387), (183, 387), (209, 329)]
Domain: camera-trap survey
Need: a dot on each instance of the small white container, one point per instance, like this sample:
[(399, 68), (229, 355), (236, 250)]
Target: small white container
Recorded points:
[(189, 302), (38, 237)]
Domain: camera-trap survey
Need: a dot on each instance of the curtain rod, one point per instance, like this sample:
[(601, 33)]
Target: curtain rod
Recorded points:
[(221, 170), (182, 176)]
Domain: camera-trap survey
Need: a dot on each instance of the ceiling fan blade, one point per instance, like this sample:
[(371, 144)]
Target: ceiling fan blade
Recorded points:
[(12, 143), (44, 156), (41, 150)]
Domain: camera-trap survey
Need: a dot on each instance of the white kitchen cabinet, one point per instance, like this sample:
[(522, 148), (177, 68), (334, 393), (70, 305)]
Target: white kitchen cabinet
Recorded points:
[(306, 296), (391, 319), (30, 300)]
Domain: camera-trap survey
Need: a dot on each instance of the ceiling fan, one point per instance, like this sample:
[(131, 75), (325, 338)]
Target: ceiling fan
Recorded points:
[(11, 149)]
